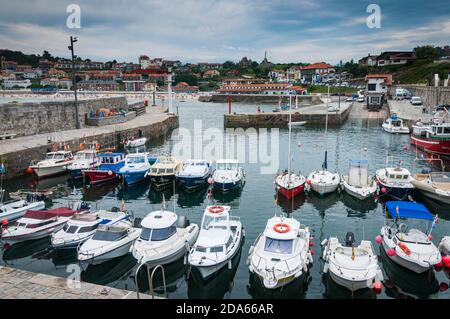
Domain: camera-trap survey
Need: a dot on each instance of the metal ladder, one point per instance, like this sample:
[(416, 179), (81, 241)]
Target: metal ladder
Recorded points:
[(150, 280)]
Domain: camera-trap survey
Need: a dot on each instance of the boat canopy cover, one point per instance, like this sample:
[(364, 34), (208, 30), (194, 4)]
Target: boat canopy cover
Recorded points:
[(47, 214), (408, 210)]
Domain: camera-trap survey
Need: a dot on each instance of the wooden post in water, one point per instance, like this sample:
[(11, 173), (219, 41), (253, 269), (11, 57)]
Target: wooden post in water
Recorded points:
[(229, 104)]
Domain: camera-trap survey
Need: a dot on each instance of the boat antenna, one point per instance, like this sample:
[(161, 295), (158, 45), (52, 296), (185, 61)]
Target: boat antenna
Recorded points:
[(174, 202), (289, 146), (163, 203)]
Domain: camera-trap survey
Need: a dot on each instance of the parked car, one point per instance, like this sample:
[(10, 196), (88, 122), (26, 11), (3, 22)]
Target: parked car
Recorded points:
[(416, 100), (443, 107), (361, 98)]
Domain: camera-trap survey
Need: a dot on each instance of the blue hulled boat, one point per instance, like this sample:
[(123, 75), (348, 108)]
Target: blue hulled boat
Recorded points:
[(194, 174), (136, 167), (228, 175), (110, 165)]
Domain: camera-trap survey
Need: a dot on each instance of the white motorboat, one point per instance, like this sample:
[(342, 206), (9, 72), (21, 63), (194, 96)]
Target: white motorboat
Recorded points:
[(81, 227), (54, 163), (228, 176), (394, 182), (194, 174), (435, 185), (136, 142), (85, 159), (164, 238), (36, 224), (358, 183), (281, 253), (394, 125), (135, 168), (409, 247), (353, 267), (15, 209), (219, 240), (108, 242)]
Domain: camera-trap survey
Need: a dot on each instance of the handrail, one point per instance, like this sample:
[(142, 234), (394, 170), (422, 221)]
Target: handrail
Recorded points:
[(151, 280)]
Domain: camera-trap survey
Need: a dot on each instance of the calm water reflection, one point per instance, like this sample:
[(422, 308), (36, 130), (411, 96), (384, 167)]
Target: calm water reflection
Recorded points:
[(333, 215)]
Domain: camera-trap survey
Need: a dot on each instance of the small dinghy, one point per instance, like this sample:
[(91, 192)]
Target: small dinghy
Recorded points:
[(165, 238), (108, 242), (228, 176), (409, 247), (194, 174), (281, 253), (12, 210), (136, 142), (351, 267), (358, 183), (218, 242), (36, 224), (81, 227), (299, 123)]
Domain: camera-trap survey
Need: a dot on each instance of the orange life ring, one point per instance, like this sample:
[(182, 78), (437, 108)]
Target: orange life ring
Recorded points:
[(97, 146), (282, 228), (216, 209), (405, 248)]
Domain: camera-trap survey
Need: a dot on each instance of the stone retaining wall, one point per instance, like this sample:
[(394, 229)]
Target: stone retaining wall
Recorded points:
[(45, 117), (282, 119), (430, 95), (116, 119), (17, 162), (260, 98)]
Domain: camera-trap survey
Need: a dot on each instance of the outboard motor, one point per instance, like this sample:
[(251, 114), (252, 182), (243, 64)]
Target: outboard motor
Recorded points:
[(115, 209), (182, 222), (84, 206), (349, 239)]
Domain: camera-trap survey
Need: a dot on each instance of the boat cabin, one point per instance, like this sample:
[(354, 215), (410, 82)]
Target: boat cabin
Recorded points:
[(137, 158), (227, 165), (280, 234), (358, 173), (110, 233), (159, 225), (397, 174), (60, 155), (85, 155), (111, 158)]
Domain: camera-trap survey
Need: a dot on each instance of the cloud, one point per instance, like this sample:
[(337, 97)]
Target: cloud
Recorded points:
[(219, 30)]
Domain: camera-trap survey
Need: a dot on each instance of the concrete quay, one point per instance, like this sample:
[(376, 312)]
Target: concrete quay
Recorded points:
[(313, 115), (408, 112), (21, 284), (17, 153)]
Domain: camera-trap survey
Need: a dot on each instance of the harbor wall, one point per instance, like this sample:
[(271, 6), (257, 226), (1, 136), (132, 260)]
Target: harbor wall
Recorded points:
[(282, 119), (36, 118), (260, 98), (17, 162), (430, 95)]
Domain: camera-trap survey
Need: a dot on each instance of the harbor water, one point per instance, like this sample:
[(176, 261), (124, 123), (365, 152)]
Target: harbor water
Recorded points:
[(333, 215)]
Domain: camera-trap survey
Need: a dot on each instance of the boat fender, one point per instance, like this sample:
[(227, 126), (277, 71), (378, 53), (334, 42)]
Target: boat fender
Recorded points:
[(230, 266), (379, 239)]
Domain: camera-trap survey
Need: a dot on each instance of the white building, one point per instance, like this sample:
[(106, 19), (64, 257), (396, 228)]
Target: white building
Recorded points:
[(12, 84), (377, 89)]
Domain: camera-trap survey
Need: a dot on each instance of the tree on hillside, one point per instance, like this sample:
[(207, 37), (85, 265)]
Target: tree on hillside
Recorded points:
[(46, 55), (189, 78), (426, 52), (229, 65)]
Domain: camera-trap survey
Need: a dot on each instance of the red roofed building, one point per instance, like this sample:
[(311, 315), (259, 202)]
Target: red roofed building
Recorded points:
[(313, 73), (184, 87), (133, 82), (266, 88)]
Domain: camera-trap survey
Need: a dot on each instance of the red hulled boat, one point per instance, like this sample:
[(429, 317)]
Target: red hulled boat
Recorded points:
[(432, 138)]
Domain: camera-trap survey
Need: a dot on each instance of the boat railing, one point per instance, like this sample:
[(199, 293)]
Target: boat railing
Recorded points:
[(150, 280)]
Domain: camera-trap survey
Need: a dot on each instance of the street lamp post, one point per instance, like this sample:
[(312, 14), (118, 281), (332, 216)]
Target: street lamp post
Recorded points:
[(74, 81)]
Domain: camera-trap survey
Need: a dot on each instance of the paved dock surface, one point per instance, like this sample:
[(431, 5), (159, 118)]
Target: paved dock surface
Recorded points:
[(153, 115), (21, 284), (405, 110)]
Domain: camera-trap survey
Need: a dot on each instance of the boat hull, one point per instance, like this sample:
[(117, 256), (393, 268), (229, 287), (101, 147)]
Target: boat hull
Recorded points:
[(350, 284), (42, 172), (324, 189), (352, 191), (98, 177), (228, 187), (432, 146), (192, 183), (130, 178), (161, 181), (397, 193), (12, 215), (291, 192), (46, 232), (117, 252), (405, 263)]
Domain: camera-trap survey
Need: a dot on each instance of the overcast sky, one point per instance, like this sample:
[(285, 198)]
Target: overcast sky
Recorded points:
[(219, 30)]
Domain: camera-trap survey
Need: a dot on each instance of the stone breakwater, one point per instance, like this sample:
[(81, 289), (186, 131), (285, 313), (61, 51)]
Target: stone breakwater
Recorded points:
[(17, 154), (281, 119), (43, 117), (260, 98)]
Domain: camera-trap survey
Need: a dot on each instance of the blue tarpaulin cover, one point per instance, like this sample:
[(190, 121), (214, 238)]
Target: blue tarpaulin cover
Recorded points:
[(408, 210)]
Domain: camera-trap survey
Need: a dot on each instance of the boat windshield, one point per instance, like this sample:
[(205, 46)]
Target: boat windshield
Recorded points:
[(158, 234), (278, 246), (135, 160), (214, 222), (82, 156), (227, 166), (55, 156), (108, 235), (70, 229), (443, 177)]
